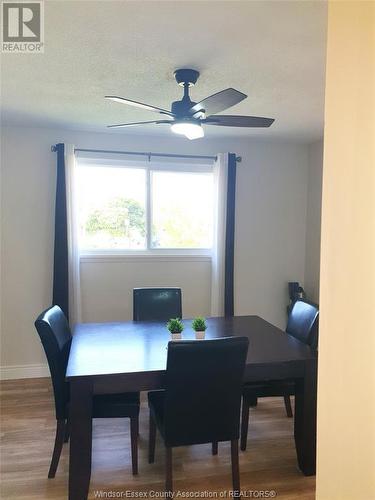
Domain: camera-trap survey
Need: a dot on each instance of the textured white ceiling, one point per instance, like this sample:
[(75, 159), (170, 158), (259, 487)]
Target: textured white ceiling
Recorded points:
[(272, 51)]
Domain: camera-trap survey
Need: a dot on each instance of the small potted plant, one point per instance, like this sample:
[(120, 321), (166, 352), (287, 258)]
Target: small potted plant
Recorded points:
[(199, 326), (175, 326)]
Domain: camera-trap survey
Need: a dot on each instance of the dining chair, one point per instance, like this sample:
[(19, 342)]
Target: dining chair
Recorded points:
[(156, 304), (202, 398), (55, 335), (303, 325)]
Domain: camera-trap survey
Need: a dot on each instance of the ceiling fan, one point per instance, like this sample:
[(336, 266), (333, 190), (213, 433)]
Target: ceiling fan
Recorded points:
[(186, 117)]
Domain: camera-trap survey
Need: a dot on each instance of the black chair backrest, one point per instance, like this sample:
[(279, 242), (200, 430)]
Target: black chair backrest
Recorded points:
[(156, 304), (54, 332), (203, 384), (303, 323)]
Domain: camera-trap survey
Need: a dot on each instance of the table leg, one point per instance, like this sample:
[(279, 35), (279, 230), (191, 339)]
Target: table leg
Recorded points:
[(80, 438), (305, 419)]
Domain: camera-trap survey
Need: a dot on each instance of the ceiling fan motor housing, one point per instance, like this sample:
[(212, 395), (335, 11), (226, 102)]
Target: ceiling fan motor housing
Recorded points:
[(181, 108)]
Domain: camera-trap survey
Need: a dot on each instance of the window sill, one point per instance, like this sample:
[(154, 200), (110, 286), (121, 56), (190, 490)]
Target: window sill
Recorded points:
[(114, 258)]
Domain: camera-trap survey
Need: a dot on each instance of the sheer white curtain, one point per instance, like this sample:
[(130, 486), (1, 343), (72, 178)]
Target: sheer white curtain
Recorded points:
[(220, 171), (73, 246)]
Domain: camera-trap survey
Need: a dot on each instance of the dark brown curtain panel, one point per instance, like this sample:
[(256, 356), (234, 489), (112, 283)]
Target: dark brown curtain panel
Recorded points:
[(60, 263), (229, 236)]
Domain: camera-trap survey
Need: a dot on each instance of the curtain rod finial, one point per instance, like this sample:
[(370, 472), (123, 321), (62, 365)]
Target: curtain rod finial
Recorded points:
[(238, 159), (53, 148)]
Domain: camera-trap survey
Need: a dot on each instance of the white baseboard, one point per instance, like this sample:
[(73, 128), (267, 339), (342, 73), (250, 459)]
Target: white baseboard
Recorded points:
[(23, 371)]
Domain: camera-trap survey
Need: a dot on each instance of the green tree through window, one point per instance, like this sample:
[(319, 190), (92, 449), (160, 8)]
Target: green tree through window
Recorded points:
[(118, 205), (120, 217)]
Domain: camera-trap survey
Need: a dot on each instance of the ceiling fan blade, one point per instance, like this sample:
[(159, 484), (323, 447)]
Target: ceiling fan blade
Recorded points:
[(136, 104), (217, 102), (238, 121), (132, 124)]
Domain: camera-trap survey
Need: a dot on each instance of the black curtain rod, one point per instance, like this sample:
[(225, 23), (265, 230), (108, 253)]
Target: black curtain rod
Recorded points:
[(149, 155)]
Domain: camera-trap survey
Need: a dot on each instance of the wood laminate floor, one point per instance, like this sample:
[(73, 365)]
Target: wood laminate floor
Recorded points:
[(27, 434)]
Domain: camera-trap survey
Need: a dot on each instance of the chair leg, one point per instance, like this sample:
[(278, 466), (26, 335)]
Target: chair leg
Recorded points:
[(244, 423), (151, 440), (59, 441), (67, 431), (235, 467), (288, 406), (134, 443), (168, 471), (214, 447)]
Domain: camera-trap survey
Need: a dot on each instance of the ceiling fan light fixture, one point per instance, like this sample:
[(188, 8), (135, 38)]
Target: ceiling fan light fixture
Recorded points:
[(188, 129)]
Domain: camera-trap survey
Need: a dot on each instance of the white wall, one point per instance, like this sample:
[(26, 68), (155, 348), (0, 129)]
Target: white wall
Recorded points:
[(346, 379), (313, 215), (269, 247), (270, 228), (107, 284)]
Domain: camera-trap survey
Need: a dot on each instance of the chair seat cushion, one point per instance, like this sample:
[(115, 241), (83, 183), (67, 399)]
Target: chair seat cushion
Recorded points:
[(269, 389), (116, 405)]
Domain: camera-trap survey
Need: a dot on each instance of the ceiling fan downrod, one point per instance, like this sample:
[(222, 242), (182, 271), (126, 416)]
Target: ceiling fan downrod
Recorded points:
[(186, 78)]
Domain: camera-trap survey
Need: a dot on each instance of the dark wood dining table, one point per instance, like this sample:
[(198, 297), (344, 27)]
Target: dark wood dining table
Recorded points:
[(131, 356)]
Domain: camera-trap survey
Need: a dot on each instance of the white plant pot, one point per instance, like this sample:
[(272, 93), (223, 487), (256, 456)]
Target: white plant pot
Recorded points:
[(176, 336), (199, 335)]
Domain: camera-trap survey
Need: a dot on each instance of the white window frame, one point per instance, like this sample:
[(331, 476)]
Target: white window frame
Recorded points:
[(204, 254)]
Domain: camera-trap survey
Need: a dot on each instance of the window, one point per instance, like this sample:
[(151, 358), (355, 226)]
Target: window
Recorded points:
[(181, 210), (136, 208), (112, 208)]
